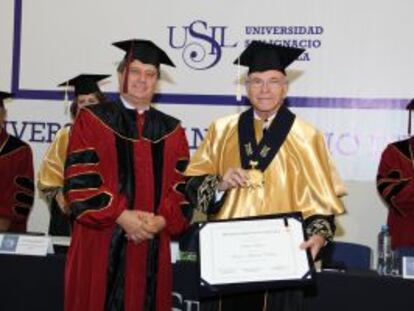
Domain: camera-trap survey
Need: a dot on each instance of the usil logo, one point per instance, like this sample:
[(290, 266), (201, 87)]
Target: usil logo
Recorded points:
[(201, 44)]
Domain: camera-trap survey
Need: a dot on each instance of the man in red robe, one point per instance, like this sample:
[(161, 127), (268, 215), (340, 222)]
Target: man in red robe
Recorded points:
[(395, 184), (16, 178), (123, 181)]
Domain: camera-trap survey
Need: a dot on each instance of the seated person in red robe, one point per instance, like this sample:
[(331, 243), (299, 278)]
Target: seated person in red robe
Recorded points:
[(16, 178), (395, 184)]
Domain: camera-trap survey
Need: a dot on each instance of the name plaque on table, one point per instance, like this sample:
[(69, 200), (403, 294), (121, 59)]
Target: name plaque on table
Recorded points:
[(408, 267), (24, 244), (253, 253)]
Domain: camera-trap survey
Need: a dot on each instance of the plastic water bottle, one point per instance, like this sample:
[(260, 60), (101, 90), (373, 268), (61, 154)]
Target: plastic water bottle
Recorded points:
[(385, 256)]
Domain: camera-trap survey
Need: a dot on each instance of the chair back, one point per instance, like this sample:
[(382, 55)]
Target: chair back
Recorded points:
[(347, 255)]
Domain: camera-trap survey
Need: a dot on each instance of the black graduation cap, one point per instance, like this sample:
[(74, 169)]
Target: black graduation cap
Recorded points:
[(3, 96), (85, 83), (260, 56), (410, 107), (145, 51)]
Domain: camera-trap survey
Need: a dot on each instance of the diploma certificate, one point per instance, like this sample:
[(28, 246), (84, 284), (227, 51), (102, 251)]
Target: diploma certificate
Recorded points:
[(253, 251)]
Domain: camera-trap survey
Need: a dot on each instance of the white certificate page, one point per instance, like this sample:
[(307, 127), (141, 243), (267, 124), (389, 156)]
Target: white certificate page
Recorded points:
[(256, 250)]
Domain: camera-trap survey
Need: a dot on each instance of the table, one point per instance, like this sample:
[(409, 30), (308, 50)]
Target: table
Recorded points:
[(30, 283)]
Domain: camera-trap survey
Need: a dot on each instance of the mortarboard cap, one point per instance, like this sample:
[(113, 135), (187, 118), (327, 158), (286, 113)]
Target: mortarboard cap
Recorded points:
[(85, 83), (3, 96), (410, 107), (259, 56), (145, 51)]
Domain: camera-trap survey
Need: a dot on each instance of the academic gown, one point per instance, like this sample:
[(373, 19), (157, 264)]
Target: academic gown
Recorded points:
[(111, 167), (395, 184), (16, 181), (298, 175), (50, 179)]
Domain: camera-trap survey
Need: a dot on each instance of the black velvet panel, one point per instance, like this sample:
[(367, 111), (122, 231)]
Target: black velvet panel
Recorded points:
[(181, 165), (96, 202), (24, 199), (125, 164), (83, 181), (82, 157), (395, 190), (394, 174), (118, 118), (25, 183), (383, 185), (12, 144), (22, 210), (272, 139), (116, 272), (181, 188), (153, 245)]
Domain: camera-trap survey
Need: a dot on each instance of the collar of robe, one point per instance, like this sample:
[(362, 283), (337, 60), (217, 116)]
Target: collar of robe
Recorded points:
[(115, 115), (255, 155)]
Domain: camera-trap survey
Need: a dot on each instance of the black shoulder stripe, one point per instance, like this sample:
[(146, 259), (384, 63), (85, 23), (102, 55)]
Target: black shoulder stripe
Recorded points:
[(82, 157), (22, 210), (180, 187), (25, 183), (24, 199), (94, 203), (395, 190), (394, 174), (383, 185), (181, 165), (83, 181)]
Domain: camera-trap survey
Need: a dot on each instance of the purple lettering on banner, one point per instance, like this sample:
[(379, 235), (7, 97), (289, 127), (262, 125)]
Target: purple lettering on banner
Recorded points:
[(215, 37), (195, 136), (53, 128), (347, 144), (328, 140), (16, 132), (37, 129), (201, 44), (34, 132)]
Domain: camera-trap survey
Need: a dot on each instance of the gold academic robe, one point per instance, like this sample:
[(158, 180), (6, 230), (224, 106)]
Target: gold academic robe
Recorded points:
[(301, 176), (50, 181), (52, 167)]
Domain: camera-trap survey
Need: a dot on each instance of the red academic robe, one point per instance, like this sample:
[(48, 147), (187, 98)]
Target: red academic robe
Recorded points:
[(110, 168), (395, 184), (16, 181)]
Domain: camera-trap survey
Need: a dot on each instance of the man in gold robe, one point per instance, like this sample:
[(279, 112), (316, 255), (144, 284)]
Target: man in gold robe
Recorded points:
[(266, 161)]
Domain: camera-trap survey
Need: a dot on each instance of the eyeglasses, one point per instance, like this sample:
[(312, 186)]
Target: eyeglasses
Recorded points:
[(257, 83)]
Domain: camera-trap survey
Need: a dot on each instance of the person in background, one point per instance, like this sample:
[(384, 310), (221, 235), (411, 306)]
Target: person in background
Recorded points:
[(16, 177), (124, 187), (266, 161), (395, 185), (50, 175)]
